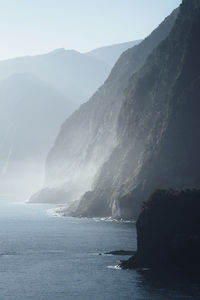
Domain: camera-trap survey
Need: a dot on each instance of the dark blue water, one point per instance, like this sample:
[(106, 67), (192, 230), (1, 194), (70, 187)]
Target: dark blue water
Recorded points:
[(50, 258)]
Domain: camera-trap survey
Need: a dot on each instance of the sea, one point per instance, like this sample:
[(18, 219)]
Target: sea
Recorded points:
[(43, 257)]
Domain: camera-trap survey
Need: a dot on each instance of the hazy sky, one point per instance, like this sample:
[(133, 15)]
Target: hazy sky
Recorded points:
[(39, 26)]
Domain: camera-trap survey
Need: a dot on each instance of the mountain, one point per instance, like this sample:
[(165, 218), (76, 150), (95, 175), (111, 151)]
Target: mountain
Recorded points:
[(110, 54), (76, 75), (73, 74), (158, 127), (30, 115), (36, 95), (87, 138)]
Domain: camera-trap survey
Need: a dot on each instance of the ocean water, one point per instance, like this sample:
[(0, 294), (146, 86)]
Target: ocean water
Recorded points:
[(50, 258)]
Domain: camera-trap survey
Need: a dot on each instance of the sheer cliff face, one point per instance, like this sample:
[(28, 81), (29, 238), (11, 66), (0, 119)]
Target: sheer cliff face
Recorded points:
[(88, 137), (158, 126)]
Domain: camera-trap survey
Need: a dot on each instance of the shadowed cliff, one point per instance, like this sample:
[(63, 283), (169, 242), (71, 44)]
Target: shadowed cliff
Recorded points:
[(157, 128)]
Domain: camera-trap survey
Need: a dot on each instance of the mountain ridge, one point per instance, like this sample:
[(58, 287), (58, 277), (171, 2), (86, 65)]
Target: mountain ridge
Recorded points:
[(109, 54)]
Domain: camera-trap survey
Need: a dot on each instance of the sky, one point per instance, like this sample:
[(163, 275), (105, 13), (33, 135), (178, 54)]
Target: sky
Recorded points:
[(30, 27)]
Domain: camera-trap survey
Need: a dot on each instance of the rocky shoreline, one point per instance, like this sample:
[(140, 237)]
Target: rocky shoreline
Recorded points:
[(59, 212)]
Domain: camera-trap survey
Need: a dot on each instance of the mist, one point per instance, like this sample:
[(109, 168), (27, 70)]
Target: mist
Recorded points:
[(37, 94)]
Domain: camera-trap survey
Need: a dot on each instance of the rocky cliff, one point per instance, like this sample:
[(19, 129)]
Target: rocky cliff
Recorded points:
[(88, 137), (168, 231), (158, 126)]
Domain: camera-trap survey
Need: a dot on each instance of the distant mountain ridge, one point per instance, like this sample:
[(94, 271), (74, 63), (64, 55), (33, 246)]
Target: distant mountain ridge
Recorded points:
[(110, 54), (88, 137), (73, 74), (76, 75)]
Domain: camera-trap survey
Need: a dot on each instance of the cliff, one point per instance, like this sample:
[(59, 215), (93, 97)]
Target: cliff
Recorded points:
[(88, 137), (158, 136), (168, 231)]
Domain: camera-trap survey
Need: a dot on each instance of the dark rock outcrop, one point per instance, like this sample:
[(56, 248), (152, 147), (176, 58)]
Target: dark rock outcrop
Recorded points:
[(168, 231)]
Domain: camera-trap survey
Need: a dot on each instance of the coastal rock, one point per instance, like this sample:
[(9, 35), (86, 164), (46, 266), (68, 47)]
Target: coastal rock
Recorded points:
[(168, 231)]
